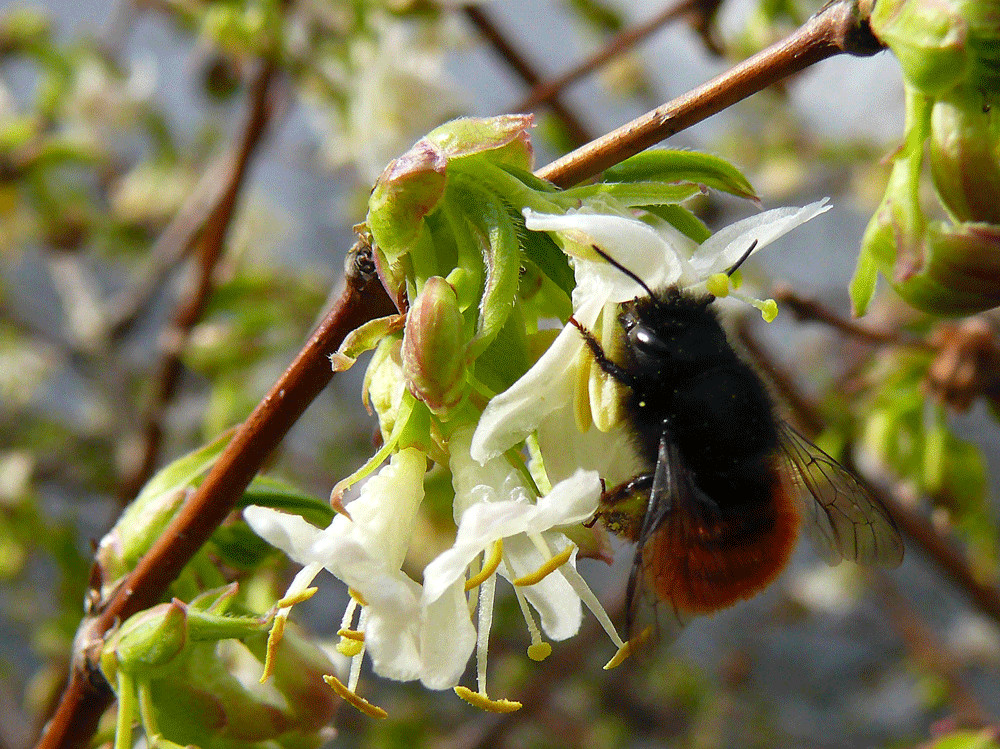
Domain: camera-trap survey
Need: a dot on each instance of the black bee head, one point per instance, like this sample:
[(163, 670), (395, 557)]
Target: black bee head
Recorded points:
[(672, 331)]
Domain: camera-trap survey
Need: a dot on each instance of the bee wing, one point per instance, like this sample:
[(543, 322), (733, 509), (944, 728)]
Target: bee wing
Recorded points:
[(842, 517), (672, 484)]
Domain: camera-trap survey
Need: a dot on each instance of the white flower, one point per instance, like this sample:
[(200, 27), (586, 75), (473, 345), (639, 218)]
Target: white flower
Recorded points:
[(405, 639), (657, 253)]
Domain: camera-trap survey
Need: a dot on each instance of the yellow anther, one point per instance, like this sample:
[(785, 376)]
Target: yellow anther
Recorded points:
[(489, 567), (628, 648), (290, 601), (357, 596), (717, 285), (273, 640), (356, 701), (485, 703), (350, 648), (352, 634), (768, 309), (539, 651), (546, 569)]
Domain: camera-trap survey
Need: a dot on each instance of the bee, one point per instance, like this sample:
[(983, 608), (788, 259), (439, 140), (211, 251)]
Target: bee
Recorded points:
[(727, 484)]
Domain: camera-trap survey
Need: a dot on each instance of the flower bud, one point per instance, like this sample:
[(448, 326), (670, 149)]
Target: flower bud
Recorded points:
[(411, 186), (147, 640), (928, 38), (965, 156), (960, 273), (434, 347)]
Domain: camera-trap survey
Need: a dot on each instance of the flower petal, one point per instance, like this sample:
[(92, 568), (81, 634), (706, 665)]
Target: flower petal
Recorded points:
[(285, 531), (633, 243), (719, 252)]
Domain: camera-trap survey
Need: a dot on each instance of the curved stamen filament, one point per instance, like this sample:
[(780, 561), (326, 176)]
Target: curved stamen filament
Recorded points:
[(489, 567), (538, 650), (550, 566), (353, 699)]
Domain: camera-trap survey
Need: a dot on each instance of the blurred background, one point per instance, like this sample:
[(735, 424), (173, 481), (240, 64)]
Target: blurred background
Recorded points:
[(164, 254)]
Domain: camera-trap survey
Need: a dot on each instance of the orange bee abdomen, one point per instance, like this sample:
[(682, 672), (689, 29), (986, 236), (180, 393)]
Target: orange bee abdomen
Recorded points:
[(702, 561)]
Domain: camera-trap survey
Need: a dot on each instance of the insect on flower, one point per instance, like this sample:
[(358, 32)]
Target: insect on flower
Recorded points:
[(717, 510)]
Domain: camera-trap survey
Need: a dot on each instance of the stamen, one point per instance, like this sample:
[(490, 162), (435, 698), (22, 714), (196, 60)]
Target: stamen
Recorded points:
[(352, 634), (357, 596), (628, 648), (718, 285), (589, 600), (355, 675), (355, 700), (489, 567), (486, 592), (485, 703), (288, 601), (538, 650), (273, 640), (294, 594), (547, 568)]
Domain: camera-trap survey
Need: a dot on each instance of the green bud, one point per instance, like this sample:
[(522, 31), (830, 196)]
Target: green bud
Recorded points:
[(434, 346), (960, 273), (928, 38), (147, 641), (965, 156), (411, 186)]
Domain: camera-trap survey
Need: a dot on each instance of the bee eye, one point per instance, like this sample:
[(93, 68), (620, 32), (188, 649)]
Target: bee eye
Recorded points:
[(644, 340)]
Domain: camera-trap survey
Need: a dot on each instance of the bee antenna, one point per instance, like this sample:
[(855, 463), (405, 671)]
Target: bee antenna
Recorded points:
[(743, 257), (624, 270)]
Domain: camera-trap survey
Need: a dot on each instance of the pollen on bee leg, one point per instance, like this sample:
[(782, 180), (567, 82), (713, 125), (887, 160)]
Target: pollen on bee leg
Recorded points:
[(718, 285)]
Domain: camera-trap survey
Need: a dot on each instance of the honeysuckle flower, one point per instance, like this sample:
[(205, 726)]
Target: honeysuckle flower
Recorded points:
[(404, 639), (657, 253)]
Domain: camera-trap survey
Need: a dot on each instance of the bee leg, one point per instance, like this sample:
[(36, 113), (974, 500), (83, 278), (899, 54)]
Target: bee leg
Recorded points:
[(623, 376), (614, 495)]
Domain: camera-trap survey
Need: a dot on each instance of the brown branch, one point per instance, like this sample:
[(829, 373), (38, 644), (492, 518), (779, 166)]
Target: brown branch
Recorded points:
[(835, 29), (86, 696), (576, 129), (812, 310), (544, 93), (192, 306)]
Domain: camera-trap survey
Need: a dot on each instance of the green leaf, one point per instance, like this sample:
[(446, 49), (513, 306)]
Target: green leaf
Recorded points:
[(862, 286), (664, 165), (683, 220), (266, 491), (181, 473), (637, 194)]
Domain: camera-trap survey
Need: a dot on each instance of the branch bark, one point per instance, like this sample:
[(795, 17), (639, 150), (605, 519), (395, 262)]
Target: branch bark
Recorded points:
[(837, 28)]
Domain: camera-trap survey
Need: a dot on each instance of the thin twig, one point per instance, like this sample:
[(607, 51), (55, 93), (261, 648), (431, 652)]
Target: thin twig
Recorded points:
[(544, 93), (810, 309), (363, 299), (834, 30), (87, 696), (577, 131), (192, 306)]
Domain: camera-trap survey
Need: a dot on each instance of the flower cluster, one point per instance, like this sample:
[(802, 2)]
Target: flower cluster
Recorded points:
[(471, 381)]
